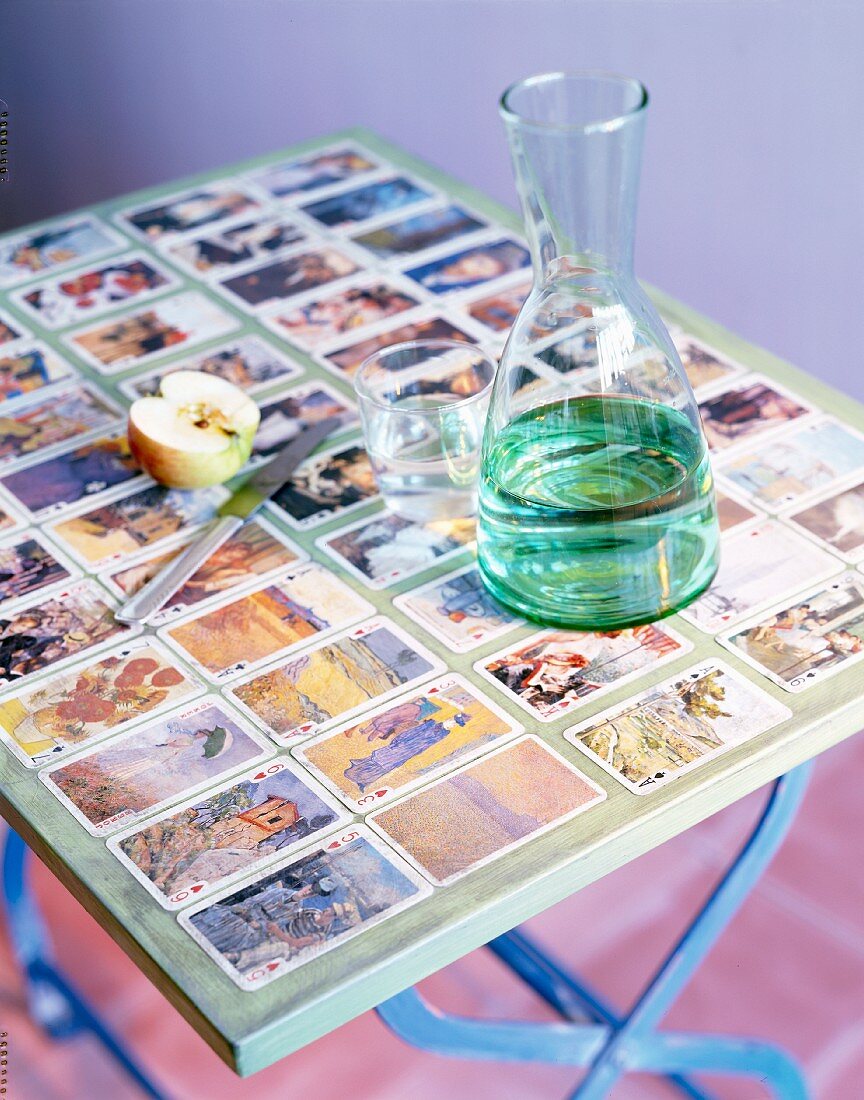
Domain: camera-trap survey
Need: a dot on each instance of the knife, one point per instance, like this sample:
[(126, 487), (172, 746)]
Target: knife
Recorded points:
[(243, 503)]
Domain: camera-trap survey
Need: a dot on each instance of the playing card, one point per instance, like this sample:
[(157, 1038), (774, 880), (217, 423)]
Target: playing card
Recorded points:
[(732, 513), (100, 536), (11, 331), (760, 565), (312, 171), (816, 636), (48, 486), (54, 247), (30, 367), (387, 548), (471, 267), (257, 551), (90, 701), (270, 284), (143, 334), (406, 743), (215, 839), (165, 218), (552, 672), (330, 482), (464, 821), (223, 248), (304, 605), (10, 518), (835, 520), (664, 732), (704, 365), (43, 424), (340, 314), (419, 232), (293, 410), (345, 360), (28, 563), (69, 299), (51, 629), (147, 768), (458, 610), (249, 362), (780, 472), (367, 201), (302, 907), (498, 311), (748, 408), (334, 680)]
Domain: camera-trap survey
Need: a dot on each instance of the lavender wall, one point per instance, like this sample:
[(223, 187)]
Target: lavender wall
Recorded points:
[(753, 190)]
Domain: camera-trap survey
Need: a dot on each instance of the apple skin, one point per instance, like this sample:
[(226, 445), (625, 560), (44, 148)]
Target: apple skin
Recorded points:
[(197, 431), (181, 470)]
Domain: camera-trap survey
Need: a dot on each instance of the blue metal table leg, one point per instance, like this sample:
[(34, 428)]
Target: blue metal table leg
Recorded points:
[(567, 994), (613, 1044), (679, 966), (53, 1003)]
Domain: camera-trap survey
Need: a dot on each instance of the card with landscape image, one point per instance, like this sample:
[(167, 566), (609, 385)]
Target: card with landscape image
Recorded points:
[(334, 679), (407, 742), (303, 605), (219, 837), (673, 727)]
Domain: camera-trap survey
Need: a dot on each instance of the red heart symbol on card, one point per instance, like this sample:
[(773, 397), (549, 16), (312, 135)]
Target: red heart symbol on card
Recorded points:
[(433, 691), (335, 844), (197, 889), (306, 728), (566, 703), (260, 775), (272, 966), (380, 794)]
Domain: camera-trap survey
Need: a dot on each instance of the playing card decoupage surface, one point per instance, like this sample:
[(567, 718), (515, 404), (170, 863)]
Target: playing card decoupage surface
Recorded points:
[(333, 763)]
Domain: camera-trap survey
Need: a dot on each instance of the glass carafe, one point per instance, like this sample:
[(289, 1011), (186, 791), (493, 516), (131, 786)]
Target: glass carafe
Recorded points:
[(597, 504)]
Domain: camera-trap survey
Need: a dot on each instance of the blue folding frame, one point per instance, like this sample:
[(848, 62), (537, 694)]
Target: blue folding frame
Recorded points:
[(610, 1044), (592, 1034)]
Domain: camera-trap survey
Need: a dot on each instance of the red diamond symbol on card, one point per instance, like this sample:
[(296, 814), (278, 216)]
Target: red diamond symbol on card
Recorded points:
[(272, 966), (380, 794), (566, 703), (198, 888), (433, 691), (306, 728)]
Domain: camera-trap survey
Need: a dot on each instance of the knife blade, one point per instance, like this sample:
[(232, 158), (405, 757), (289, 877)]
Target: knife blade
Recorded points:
[(243, 503)]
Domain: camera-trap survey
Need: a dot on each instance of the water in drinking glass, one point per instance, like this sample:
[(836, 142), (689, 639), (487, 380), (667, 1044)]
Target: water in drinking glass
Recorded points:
[(423, 406)]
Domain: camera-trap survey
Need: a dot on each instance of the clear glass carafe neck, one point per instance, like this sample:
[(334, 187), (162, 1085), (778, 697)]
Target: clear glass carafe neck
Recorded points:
[(576, 143)]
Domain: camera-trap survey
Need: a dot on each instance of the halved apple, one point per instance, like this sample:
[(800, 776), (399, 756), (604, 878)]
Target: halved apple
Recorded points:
[(198, 431)]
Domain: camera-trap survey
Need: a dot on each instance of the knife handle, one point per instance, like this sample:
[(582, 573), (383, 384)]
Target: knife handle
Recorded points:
[(159, 589)]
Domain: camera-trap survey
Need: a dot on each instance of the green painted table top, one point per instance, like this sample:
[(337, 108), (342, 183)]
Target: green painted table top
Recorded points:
[(252, 1030)]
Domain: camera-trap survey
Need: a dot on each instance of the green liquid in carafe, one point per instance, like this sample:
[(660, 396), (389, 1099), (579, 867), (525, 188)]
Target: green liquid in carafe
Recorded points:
[(597, 513)]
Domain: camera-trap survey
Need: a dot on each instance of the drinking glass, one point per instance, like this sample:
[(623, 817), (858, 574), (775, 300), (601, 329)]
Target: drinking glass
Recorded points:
[(423, 405)]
